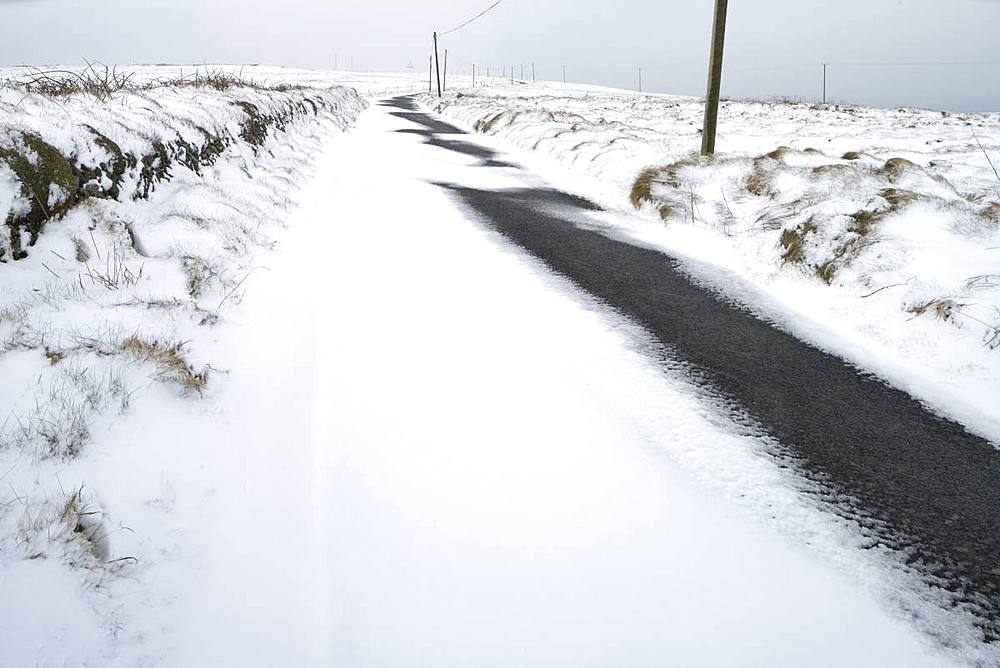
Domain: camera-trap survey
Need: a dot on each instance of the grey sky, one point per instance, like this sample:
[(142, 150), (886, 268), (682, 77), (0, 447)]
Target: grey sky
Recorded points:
[(775, 46)]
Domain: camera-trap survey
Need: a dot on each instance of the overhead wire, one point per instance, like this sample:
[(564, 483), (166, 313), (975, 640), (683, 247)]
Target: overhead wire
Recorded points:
[(474, 18)]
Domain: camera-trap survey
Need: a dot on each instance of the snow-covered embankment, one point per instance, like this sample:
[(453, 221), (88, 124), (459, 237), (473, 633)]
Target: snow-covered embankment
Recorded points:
[(876, 231), (134, 220)]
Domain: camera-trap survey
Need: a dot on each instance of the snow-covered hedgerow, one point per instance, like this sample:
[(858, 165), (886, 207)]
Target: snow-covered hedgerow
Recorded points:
[(129, 226), (882, 224)]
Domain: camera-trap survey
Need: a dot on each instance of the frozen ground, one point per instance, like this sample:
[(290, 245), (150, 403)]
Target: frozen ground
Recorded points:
[(398, 457), (879, 230)]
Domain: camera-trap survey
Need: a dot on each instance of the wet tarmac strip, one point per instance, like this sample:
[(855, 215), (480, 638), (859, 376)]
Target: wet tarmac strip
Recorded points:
[(917, 483)]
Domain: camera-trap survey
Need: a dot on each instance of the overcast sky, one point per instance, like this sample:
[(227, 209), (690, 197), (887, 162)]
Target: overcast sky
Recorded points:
[(775, 46)]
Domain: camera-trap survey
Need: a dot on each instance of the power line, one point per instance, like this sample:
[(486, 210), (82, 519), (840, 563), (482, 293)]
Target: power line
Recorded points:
[(920, 63), (477, 16), (884, 63)]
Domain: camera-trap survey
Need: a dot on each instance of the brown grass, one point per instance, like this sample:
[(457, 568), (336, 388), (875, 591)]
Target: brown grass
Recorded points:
[(169, 361), (894, 168), (793, 241), (991, 213), (668, 175), (942, 309), (777, 154), (759, 183)]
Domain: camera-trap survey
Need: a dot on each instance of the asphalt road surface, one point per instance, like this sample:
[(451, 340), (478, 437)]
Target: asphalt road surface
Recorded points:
[(916, 482)]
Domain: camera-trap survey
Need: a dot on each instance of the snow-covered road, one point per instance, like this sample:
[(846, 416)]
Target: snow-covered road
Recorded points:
[(496, 473)]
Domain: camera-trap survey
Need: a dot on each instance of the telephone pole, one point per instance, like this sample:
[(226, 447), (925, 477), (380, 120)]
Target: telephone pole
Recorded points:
[(714, 78), (437, 63), (564, 74), (444, 79), (533, 73), (640, 79), (824, 82)]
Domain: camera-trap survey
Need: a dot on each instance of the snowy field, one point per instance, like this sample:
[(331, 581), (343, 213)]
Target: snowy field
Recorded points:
[(247, 418), (873, 233)]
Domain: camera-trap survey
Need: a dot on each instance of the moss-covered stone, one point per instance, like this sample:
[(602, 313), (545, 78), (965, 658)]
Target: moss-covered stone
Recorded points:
[(186, 154), (155, 168), (213, 146), (254, 128), (113, 168), (48, 181)]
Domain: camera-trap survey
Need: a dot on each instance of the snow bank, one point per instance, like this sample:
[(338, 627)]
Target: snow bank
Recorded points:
[(133, 224), (881, 225)]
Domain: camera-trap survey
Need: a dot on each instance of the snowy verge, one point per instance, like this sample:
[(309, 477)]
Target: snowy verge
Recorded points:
[(881, 226), (133, 223)]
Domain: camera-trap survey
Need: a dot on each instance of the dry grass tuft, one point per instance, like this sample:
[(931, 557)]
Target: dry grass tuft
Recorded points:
[(831, 170), (642, 188), (759, 183), (794, 241), (991, 213), (668, 175), (169, 360), (895, 168), (96, 80), (200, 274), (71, 528), (777, 154), (105, 83), (942, 309)]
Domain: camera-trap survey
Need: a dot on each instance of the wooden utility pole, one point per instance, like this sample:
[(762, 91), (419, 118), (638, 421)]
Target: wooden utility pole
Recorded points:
[(564, 74), (437, 62), (430, 75), (532, 73), (444, 77), (824, 82), (640, 79), (473, 75), (714, 78)]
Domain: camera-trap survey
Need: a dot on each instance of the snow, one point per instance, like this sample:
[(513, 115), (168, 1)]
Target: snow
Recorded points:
[(415, 447), (111, 384), (511, 479), (915, 300)]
